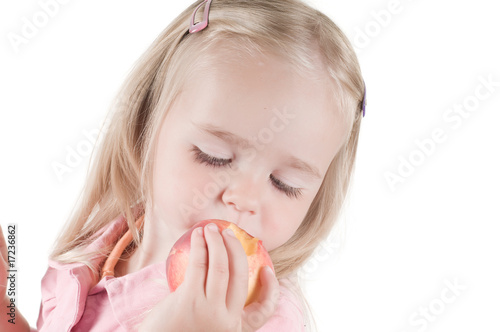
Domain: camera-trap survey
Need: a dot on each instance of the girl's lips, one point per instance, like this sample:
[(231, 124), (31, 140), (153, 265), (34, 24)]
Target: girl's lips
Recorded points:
[(227, 220)]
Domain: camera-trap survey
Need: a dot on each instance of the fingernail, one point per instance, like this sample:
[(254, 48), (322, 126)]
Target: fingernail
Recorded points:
[(269, 270), (212, 227), (199, 231), (229, 232)]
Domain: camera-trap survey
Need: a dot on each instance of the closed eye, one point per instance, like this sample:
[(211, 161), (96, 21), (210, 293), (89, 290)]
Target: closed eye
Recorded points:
[(204, 158), (283, 187)]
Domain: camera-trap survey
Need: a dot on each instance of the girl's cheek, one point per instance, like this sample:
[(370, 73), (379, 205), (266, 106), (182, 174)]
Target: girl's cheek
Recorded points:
[(174, 176), (286, 219), (191, 182)]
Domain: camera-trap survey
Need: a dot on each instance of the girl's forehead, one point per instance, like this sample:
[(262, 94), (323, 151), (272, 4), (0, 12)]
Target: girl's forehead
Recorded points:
[(265, 78), (228, 56), (266, 82)]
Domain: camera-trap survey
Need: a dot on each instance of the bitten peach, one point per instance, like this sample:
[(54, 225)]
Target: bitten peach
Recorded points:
[(257, 257)]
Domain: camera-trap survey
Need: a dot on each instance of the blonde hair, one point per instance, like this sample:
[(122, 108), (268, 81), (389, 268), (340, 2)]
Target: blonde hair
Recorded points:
[(120, 181)]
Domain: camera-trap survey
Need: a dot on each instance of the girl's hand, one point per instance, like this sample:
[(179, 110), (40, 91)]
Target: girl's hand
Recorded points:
[(214, 291), (3, 266)]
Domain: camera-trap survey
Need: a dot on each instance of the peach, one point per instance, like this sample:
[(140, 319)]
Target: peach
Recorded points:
[(257, 257)]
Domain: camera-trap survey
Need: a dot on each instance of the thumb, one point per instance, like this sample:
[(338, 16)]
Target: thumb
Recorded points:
[(256, 314)]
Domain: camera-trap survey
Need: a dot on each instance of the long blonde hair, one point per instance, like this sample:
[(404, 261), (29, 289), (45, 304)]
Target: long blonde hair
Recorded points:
[(119, 181)]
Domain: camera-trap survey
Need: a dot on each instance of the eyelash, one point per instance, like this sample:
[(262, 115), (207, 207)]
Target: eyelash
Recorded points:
[(212, 161), (209, 160), (289, 191)]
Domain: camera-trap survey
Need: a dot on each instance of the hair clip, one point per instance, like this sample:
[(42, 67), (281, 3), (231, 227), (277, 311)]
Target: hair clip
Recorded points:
[(203, 24)]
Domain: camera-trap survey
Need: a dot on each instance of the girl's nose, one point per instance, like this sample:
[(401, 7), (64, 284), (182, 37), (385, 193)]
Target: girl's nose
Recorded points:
[(243, 193)]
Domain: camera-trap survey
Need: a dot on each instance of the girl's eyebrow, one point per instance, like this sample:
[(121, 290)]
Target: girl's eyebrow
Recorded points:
[(302, 166), (227, 136), (224, 135)]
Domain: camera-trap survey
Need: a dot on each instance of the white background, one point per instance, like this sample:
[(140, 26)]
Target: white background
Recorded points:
[(396, 249)]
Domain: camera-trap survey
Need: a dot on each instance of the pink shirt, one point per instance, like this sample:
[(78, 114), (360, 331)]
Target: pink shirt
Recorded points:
[(71, 303)]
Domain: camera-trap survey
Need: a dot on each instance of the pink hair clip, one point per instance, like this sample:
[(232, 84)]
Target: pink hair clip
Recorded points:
[(203, 24)]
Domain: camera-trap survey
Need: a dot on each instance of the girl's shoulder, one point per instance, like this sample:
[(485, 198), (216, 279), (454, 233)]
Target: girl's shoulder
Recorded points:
[(65, 286)]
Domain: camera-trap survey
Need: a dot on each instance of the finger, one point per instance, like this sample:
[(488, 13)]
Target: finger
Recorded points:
[(270, 286), (218, 270), (258, 313), (197, 263), (237, 289), (270, 291)]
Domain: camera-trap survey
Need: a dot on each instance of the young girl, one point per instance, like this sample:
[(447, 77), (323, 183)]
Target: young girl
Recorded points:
[(251, 116)]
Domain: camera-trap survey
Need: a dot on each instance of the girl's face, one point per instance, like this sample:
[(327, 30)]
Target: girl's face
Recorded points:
[(247, 143)]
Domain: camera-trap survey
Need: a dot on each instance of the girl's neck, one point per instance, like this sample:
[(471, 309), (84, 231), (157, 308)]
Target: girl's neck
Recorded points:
[(154, 248)]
